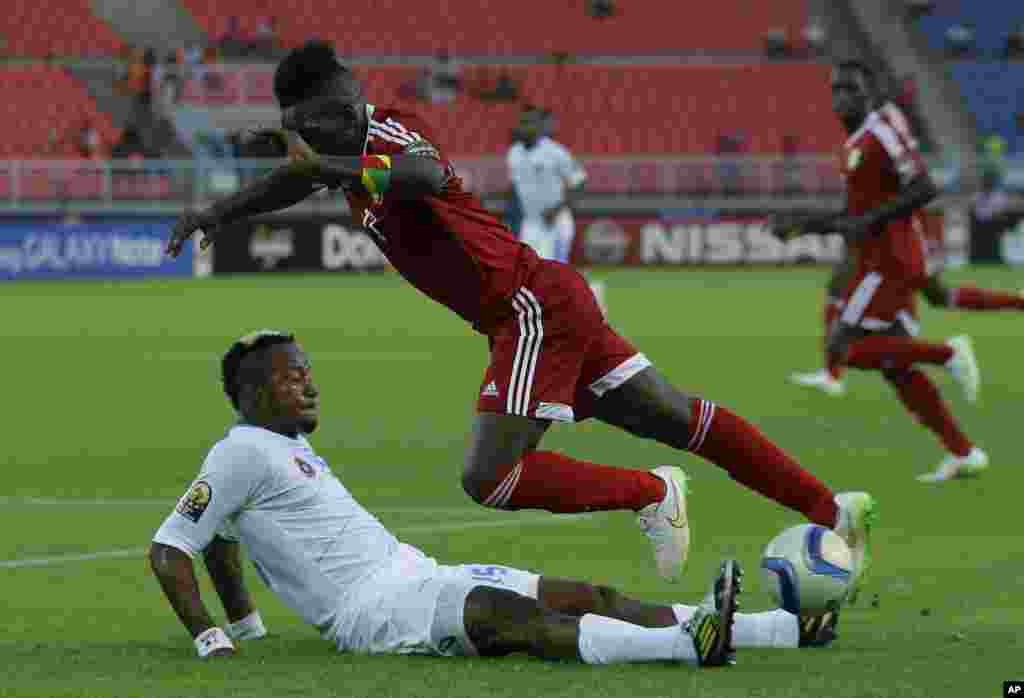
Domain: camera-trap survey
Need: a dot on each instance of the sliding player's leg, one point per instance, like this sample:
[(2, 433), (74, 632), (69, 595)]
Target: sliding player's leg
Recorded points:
[(775, 628), (499, 620)]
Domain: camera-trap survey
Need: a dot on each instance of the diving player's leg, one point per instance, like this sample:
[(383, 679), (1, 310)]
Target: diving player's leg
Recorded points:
[(536, 359)]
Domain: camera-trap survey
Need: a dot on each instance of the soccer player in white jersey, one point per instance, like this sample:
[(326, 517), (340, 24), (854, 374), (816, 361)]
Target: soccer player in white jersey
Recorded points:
[(546, 179), (342, 571)]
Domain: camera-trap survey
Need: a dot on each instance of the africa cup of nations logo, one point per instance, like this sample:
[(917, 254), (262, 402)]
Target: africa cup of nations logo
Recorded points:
[(195, 501)]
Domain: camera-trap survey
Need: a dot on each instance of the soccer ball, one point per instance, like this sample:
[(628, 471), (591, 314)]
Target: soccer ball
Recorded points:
[(807, 569)]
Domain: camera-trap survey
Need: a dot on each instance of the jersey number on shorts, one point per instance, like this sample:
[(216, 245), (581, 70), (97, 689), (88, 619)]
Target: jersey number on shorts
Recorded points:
[(371, 223)]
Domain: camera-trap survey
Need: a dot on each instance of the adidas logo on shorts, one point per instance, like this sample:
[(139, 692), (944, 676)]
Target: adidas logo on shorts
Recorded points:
[(490, 390)]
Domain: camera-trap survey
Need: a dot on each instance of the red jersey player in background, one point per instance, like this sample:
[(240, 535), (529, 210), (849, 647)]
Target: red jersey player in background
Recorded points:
[(887, 183), (553, 356), (935, 292)]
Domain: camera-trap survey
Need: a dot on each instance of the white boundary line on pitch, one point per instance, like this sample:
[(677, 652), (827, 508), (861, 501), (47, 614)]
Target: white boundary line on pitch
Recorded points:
[(546, 520)]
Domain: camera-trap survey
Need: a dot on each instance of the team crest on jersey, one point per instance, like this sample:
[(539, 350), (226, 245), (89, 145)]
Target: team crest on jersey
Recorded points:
[(307, 469), (853, 159), (195, 501)]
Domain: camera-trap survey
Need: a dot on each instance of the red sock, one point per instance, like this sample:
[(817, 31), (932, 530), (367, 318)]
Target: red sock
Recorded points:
[(883, 352), (563, 485), (971, 298), (738, 447), (922, 399)]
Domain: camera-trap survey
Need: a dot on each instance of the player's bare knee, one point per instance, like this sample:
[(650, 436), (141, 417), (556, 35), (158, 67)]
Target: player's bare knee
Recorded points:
[(499, 621), (607, 600)]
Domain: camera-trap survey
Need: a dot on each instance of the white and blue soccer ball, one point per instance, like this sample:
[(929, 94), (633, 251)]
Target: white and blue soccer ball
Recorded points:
[(807, 569)]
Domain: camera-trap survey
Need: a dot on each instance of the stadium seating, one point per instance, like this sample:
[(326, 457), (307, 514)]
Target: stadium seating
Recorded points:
[(993, 93), (493, 27), (44, 107), (608, 110), (39, 99), (38, 28), (992, 20)]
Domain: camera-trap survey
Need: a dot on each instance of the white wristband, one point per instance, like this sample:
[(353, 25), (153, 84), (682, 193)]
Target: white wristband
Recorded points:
[(249, 628), (211, 640)]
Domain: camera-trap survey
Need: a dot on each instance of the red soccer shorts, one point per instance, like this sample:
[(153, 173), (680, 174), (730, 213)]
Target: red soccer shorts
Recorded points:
[(877, 302), (555, 355)]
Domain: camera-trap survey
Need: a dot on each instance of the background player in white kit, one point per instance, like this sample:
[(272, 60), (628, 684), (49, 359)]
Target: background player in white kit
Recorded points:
[(336, 565), (546, 178)]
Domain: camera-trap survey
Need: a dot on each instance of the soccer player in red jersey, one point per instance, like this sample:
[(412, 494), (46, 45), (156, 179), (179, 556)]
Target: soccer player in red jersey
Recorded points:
[(875, 326), (935, 292), (553, 356)]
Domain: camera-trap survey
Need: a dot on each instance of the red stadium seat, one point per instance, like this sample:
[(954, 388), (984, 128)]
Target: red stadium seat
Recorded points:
[(617, 109), (56, 27), (496, 27), (42, 111)]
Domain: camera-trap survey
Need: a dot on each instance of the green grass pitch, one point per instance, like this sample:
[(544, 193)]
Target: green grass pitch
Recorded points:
[(112, 398)]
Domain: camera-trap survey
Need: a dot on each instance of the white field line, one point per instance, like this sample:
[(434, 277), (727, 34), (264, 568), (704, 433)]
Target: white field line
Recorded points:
[(545, 520)]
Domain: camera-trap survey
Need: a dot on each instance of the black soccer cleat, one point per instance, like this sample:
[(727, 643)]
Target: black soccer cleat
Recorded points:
[(819, 630), (711, 624)]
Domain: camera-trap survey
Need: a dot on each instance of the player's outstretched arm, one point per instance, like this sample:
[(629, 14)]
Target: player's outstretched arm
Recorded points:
[(173, 569), (284, 187), (402, 176), (224, 563), (917, 193)]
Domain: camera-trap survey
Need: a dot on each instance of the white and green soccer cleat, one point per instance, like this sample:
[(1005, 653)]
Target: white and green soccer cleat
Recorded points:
[(819, 380), (857, 515), (956, 467), (666, 524), (964, 366)]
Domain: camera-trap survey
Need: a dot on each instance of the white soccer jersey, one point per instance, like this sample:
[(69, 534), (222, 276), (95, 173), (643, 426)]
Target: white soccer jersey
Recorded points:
[(308, 538), (542, 174)]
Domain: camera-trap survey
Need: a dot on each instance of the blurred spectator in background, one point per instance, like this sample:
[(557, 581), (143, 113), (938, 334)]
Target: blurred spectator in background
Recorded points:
[(444, 79), (130, 146), (776, 43), (989, 218), (230, 40), (992, 155), (601, 9), (815, 37), (265, 41), (169, 81), (1015, 44), (730, 147), (88, 141), (504, 89), (917, 9), (960, 40), (788, 169)]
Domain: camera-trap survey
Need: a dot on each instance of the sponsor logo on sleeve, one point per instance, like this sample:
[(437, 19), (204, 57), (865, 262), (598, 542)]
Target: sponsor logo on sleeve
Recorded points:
[(195, 501)]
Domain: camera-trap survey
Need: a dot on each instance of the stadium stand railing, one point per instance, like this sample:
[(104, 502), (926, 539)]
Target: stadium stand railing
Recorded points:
[(26, 183)]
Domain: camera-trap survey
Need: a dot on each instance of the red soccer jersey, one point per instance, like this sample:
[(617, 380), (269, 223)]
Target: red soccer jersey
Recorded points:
[(877, 161), (448, 246)]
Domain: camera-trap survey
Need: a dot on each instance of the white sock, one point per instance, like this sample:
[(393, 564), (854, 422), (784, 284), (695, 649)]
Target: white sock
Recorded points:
[(767, 629), (610, 641)]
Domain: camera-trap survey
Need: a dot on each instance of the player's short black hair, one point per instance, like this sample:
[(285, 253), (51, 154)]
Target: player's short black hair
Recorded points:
[(860, 66), (305, 71), (230, 366)]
